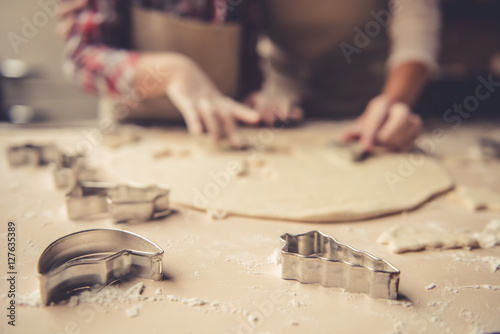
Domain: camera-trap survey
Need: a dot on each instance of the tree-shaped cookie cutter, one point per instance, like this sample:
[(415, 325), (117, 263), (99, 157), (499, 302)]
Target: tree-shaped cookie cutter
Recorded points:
[(124, 202), (99, 256), (315, 257)]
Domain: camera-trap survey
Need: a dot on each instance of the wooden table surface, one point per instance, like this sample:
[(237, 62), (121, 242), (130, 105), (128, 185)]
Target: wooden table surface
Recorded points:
[(223, 273)]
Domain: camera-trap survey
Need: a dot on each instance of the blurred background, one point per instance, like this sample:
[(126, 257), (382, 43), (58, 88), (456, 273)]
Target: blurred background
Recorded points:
[(34, 89)]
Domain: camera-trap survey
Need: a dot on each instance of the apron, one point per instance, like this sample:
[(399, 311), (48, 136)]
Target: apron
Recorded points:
[(214, 47), (305, 38)]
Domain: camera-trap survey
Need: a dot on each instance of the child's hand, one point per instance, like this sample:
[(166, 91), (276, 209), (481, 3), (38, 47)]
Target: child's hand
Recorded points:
[(385, 123), (203, 106), (272, 108)]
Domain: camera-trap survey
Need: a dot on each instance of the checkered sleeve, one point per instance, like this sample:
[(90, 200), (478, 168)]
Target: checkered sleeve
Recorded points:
[(92, 58)]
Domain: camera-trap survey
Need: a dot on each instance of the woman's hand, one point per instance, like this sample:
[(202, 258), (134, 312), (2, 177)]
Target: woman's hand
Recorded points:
[(385, 123), (203, 106), (272, 108), (388, 120), (67, 14)]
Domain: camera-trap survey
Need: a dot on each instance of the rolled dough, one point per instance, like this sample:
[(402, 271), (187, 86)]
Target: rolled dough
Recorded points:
[(289, 176)]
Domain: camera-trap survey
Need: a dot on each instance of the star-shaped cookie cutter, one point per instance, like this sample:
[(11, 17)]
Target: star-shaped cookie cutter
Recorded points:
[(315, 257), (95, 257), (124, 202)]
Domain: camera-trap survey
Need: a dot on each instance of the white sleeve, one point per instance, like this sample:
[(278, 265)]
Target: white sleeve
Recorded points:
[(415, 32)]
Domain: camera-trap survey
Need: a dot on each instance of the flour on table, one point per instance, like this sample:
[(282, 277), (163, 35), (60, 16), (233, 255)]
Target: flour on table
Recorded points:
[(133, 311), (402, 239), (275, 257), (492, 261), (214, 306), (32, 299), (108, 295)]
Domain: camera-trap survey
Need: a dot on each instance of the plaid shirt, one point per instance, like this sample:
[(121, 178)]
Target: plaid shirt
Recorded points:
[(98, 51)]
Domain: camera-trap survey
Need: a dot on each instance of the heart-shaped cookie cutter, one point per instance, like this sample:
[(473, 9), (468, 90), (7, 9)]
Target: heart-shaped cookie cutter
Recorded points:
[(99, 256), (315, 257)]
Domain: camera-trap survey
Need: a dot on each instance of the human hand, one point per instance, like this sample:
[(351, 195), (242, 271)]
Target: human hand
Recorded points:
[(385, 123), (272, 108), (203, 106), (67, 13)]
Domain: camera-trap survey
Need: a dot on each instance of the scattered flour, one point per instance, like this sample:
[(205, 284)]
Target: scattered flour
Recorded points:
[(247, 260), (133, 311), (493, 261), (275, 257), (32, 299), (111, 295), (213, 305), (406, 239), (487, 287), (188, 301), (29, 215), (404, 303), (295, 303), (193, 301)]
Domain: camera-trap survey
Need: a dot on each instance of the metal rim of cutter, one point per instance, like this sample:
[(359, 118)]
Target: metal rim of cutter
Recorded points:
[(315, 257), (97, 256)]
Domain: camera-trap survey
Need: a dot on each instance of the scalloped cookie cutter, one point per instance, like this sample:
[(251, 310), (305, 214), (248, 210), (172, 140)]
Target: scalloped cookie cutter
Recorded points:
[(124, 202), (315, 257), (68, 170), (100, 256), (32, 154)]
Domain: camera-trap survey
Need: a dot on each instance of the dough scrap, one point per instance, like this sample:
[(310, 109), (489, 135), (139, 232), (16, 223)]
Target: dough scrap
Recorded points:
[(311, 182), (402, 239), (476, 199)]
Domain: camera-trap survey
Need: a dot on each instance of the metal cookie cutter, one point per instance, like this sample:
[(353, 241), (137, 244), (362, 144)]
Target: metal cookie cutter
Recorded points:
[(71, 169), (354, 151), (30, 154), (314, 257), (100, 256), (124, 202)]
